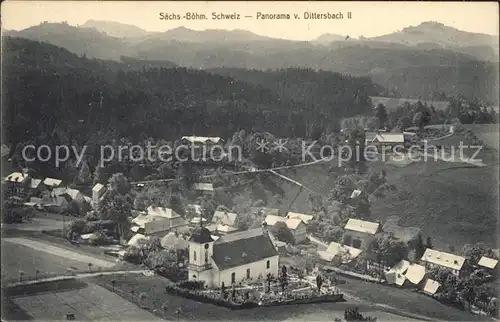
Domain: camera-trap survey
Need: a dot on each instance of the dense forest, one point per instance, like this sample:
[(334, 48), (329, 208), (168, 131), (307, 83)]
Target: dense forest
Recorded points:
[(46, 88)]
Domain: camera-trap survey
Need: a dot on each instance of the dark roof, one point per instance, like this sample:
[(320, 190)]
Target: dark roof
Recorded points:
[(251, 247), (201, 235)]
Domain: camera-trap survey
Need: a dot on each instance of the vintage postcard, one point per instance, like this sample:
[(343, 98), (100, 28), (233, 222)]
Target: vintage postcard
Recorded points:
[(249, 161)]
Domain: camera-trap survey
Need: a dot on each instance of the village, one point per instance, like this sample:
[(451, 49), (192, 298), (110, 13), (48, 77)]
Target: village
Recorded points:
[(263, 256)]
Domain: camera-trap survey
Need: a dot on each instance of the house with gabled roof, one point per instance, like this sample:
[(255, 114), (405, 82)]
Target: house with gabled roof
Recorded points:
[(295, 215), (17, 182), (157, 220), (52, 183), (388, 141), (231, 259), (487, 262), (203, 188), (435, 258), (295, 225), (360, 233), (345, 254)]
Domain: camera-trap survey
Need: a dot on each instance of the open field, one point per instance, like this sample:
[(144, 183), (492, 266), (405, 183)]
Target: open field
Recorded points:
[(90, 303), (393, 103), (30, 255), (453, 204)]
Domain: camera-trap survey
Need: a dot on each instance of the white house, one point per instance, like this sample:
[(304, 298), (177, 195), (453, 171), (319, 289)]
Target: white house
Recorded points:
[(430, 286), (157, 220), (97, 192), (17, 182), (296, 226), (305, 218), (387, 141), (360, 233), (396, 274), (224, 218), (435, 258), (233, 258), (203, 188), (345, 254), (52, 183), (200, 140), (487, 262), (415, 273)]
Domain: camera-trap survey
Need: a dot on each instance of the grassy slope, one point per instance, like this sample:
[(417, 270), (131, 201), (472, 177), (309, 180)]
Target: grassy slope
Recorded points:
[(452, 204)]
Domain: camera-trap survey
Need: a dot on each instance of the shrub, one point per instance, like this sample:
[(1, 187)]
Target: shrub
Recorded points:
[(192, 285)]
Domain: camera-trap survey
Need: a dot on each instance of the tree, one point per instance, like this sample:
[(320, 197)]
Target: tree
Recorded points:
[(474, 252), (118, 183), (99, 175), (419, 247), (113, 283), (388, 249), (319, 282), (381, 114), (283, 278), (269, 279), (428, 243), (176, 204), (84, 175), (283, 233), (403, 123), (344, 185)]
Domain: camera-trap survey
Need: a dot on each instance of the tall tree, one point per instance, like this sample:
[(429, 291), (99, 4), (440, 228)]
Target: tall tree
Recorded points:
[(381, 114)]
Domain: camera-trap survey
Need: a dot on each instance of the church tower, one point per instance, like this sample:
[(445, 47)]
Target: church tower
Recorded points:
[(201, 245)]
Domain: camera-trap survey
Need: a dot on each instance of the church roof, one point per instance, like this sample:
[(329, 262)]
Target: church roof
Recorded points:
[(201, 235), (242, 248)]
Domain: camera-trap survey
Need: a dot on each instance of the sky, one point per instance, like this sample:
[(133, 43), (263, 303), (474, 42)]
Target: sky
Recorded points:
[(369, 19)]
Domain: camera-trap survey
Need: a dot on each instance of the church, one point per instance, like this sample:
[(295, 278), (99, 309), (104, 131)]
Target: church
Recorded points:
[(232, 258)]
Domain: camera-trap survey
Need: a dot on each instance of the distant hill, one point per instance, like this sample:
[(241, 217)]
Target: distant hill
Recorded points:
[(116, 29), (438, 33), (43, 83), (417, 71), (328, 38)]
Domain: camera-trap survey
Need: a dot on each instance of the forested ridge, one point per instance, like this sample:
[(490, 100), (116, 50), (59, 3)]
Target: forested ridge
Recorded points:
[(405, 71), (47, 88)]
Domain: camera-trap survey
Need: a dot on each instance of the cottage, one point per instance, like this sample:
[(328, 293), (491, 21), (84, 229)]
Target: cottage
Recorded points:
[(52, 183), (345, 254), (360, 233), (225, 218), (305, 218), (203, 188), (138, 240), (295, 225), (396, 274), (233, 258), (487, 262), (264, 211), (415, 273), (388, 141), (17, 182), (97, 192), (355, 193), (173, 240), (430, 286), (435, 258), (157, 220)]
